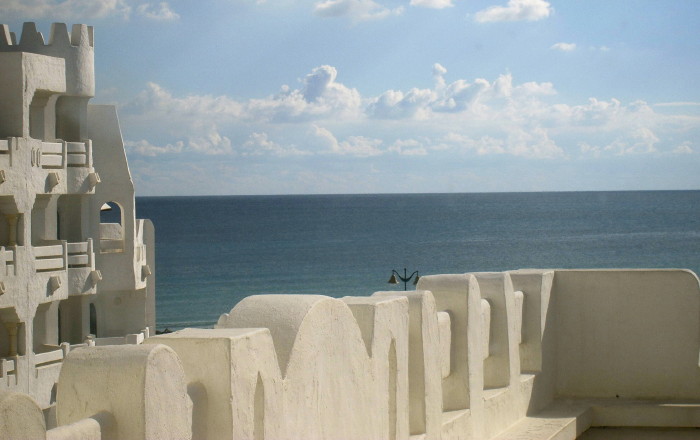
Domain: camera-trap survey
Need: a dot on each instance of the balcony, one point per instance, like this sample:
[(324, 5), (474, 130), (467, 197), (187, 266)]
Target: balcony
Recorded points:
[(50, 354), (78, 259), (66, 154), (80, 254), (68, 166), (82, 276), (7, 261), (130, 339), (51, 258), (111, 238), (8, 365)]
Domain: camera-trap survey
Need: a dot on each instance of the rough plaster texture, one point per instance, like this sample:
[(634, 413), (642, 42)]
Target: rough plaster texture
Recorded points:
[(622, 328), (365, 396), (20, 417), (142, 386)]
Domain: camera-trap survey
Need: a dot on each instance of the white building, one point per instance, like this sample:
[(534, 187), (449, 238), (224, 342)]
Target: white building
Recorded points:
[(67, 273)]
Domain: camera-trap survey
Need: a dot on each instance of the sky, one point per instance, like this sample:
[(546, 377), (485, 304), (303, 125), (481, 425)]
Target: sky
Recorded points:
[(395, 96)]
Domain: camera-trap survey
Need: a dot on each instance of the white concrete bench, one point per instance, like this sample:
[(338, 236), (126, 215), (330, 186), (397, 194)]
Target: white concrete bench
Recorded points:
[(567, 420)]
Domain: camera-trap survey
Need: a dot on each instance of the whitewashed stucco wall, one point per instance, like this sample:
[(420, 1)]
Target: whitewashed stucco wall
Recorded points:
[(584, 346)]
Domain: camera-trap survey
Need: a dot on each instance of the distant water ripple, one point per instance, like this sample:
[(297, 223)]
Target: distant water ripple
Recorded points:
[(213, 251)]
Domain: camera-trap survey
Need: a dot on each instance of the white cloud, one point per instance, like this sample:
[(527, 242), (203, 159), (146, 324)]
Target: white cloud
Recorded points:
[(483, 117), (678, 104), (564, 47), (64, 10), (145, 148), (259, 144), (517, 141), (515, 10), (684, 148), (210, 143), (394, 104), (320, 97), (359, 146), (157, 99), (455, 97), (483, 145), (85, 9), (408, 147), (434, 4), (159, 12), (639, 140), (588, 149), (439, 70), (357, 10)]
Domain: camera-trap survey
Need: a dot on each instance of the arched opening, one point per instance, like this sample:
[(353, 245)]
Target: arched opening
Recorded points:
[(200, 406), (93, 319), (111, 228)]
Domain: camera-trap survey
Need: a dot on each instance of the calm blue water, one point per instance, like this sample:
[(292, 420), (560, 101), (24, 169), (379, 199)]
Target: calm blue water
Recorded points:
[(213, 251)]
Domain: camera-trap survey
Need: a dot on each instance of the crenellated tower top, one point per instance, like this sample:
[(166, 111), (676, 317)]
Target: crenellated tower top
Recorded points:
[(76, 48), (33, 40)]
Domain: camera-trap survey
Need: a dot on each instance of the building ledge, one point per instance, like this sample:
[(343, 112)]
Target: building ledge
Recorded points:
[(568, 419)]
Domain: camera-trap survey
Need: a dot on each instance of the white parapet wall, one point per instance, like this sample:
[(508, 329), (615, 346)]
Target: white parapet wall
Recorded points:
[(567, 350)]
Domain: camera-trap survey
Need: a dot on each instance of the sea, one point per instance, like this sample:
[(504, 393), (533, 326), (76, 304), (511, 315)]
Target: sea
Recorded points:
[(213, 251)]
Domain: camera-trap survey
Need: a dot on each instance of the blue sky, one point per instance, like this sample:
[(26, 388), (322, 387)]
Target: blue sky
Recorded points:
[(381, 96)]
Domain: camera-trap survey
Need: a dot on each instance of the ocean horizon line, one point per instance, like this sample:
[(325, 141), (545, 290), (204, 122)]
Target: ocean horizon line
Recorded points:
[(422, 193)]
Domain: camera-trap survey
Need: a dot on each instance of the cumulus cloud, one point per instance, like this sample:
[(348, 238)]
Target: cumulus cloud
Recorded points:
[(155, 98), (684, 148), (564, 47), (64, 9), (145, 148), (482, 146), (211, 143), (318, 81), (533, 142), (516, 10), (433, 4), (639, 140), (85, 9), (394, 104), (159, 12), (483, 117), (356, 10), (207, 142), (359, 146), (456, 97), (678, 104), (259, 144), (320, 97), (408, 147)]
